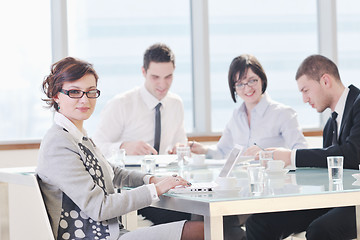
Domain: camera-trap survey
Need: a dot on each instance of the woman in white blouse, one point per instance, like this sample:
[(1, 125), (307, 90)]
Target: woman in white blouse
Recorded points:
[(77, 182), (258, 121)]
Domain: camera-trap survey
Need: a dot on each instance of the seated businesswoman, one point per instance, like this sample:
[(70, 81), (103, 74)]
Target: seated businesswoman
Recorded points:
[(78, 183), (258, 120)]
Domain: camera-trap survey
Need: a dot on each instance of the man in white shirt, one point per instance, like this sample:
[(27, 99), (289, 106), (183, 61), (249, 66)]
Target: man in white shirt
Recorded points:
[(128, 121)]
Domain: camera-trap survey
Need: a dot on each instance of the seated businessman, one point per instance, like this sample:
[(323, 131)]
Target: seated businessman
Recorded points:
[(319, 82), (147, 119)]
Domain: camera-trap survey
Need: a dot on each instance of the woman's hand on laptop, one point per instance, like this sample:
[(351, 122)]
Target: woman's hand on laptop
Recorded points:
[(164, 184)]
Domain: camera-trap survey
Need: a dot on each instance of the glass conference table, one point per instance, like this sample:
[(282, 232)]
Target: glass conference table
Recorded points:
[(305, 188)]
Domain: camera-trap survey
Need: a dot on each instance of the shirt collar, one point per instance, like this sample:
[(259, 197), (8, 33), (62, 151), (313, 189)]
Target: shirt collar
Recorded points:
[(65, 123), (340, 105), (149, 99), (261, 107)]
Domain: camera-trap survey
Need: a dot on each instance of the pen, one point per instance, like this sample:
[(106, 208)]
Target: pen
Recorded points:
[(259, 147)]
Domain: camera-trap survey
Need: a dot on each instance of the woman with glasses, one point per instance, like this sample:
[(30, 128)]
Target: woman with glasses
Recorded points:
[(78, 184), (258, 122)]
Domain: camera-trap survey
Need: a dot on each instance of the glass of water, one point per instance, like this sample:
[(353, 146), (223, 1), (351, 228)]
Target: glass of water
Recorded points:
[(183, 155), (335, 168), (148, 164), (256, 179), (118, 157), (264, 157)]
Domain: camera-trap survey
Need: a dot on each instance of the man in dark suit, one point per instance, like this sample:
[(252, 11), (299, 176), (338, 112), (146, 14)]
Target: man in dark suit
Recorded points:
[(319, 82)]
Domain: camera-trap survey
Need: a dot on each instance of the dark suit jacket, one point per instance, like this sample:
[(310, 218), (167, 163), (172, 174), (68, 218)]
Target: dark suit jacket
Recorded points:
[(349, 138)]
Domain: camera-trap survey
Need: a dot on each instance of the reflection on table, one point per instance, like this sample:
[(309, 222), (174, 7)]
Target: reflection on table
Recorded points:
[(305, 188)]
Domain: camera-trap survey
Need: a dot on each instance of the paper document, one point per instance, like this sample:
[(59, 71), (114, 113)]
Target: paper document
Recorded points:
[(160, 160)]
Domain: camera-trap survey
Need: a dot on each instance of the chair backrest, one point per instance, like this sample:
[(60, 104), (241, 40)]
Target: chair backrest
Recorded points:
[(44, 218)]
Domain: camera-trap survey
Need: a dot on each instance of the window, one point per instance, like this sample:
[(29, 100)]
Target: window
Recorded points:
[(348, 22), (113, 35), (25, 60), (279, 33)]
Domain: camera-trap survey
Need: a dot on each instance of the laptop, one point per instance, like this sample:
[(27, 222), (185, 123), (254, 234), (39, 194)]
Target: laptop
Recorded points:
[(209, 186)]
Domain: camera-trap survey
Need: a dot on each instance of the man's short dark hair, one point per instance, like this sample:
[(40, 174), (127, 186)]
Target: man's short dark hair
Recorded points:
[(159, 53), (315, 66)]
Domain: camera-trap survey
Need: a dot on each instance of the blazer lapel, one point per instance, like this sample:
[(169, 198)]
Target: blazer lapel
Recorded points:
[(353, 94)]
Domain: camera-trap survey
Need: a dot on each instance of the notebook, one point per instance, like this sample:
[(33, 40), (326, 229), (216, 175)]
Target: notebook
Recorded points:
[(209, 186)]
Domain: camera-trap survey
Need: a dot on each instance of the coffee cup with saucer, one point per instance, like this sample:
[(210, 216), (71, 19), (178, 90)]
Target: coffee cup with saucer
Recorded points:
[(276, 168)]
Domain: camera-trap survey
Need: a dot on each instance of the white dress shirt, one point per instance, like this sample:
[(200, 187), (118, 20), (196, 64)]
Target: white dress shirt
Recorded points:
[(340, 107), (272, 125), (130, 116)]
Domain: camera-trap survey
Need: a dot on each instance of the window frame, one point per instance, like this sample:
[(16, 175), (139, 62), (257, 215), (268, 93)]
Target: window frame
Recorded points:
[(327, 45)]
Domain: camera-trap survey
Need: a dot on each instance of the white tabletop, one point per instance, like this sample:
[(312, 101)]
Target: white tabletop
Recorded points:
[(306, 188)]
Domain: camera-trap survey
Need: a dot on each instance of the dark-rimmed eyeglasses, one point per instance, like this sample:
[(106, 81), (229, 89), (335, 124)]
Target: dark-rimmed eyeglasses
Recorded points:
[(250, 83), (74, 93)]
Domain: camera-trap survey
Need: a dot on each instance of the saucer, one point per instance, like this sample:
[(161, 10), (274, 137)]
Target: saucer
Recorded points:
[(356, 176), (242, 159), (280, 172), (197, 166)]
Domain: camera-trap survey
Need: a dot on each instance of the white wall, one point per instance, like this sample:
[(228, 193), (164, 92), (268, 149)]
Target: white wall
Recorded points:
[(18, 158)]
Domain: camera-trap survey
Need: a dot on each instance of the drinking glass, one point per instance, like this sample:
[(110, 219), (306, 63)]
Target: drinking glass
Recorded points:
[(148, 165), (256, 179), (118, 157), (335, 168), (264, 157), (183, 155)]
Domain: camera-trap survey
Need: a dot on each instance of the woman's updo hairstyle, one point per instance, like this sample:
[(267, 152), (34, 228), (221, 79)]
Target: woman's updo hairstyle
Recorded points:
[(68, 69)]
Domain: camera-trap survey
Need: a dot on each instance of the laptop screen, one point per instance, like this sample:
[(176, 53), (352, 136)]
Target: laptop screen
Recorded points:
[(231, 161)]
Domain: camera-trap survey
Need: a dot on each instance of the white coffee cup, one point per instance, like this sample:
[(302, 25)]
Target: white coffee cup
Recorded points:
[(226, 182), (199, 159), (275, 165)]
